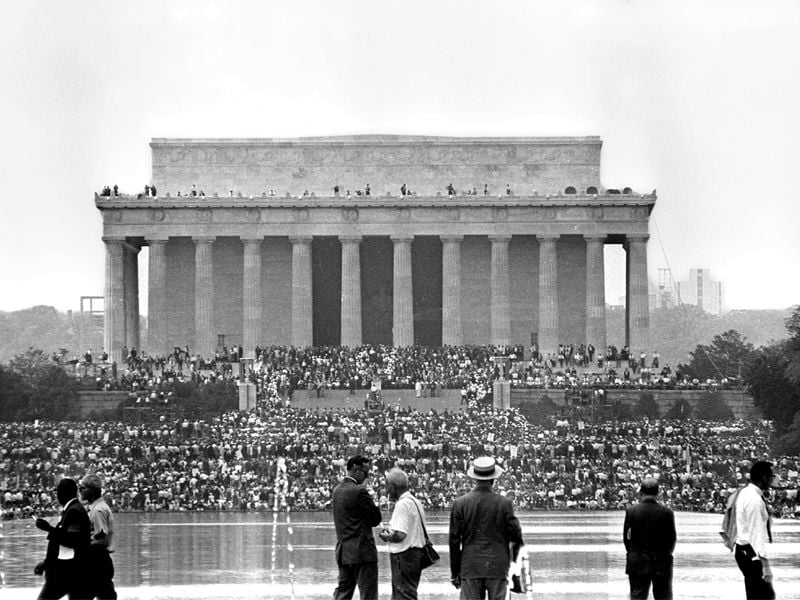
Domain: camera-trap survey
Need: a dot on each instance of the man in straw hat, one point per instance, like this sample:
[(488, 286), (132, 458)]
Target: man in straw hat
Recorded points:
[(483, 533)]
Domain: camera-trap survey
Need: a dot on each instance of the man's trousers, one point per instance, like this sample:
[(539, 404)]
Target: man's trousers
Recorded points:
[(365, 575), (406, 571)]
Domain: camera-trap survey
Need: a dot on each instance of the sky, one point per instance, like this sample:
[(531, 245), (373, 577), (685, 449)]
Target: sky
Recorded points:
[(698, 100)]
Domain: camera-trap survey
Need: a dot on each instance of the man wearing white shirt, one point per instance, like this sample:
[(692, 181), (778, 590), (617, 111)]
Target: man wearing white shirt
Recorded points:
[(405, 536), (753, 533)]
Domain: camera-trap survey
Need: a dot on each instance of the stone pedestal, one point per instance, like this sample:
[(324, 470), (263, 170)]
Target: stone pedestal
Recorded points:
[(247, 396), (501, 391)]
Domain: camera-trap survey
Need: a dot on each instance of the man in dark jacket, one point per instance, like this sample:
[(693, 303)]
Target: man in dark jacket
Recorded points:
[(649, 537), (483, 533), (64, 566), (354, 515)]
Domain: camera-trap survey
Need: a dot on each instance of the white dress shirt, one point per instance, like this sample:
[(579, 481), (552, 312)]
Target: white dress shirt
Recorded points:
[(752, 519)]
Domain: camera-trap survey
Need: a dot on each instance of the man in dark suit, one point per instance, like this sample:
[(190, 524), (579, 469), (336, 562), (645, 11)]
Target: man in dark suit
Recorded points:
[(67, 547), (354, 515), (483, 534), (649, 537)]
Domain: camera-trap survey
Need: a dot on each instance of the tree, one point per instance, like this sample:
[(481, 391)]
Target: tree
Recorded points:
[(789, 442), (793, 346), (41, 388), (713, 408), (773, 392), (14, 394), (726, 356)]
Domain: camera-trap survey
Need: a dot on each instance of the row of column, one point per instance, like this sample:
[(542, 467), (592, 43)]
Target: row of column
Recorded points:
[(122, 327)]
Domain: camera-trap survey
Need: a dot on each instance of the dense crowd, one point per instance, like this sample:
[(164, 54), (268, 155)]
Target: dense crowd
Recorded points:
[(283, 370), (278, 456)]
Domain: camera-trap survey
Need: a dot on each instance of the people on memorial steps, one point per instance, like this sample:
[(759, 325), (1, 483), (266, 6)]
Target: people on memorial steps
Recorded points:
[(457, 367)]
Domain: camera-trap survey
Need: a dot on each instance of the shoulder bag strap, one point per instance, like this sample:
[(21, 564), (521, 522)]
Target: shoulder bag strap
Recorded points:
[(421, 520)]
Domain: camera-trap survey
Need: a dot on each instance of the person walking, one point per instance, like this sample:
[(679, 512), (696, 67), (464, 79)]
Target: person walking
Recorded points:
[(100, 566), (754, 532), (483, 535), (649, 537), (354, 516), (67, 547), (405, 535)]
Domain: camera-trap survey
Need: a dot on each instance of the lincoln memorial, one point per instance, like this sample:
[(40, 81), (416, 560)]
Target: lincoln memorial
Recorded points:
[(490, 241)]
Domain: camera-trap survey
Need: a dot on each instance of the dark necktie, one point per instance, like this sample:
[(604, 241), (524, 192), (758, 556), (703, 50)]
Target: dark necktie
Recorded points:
[(769, 520)]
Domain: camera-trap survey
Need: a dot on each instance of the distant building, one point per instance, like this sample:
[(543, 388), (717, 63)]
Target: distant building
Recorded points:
[(664, 294), (701, 291)]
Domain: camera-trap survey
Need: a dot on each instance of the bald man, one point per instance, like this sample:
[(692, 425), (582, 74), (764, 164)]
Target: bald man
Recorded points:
[(649, 537)]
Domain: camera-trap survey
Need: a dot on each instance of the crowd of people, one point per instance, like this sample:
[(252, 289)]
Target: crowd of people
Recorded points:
[(278, 456), (284, 370)]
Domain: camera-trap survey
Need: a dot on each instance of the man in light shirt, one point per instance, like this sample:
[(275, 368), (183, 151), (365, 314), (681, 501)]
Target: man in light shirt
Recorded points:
[(100, 565), (753, 533), (405, 536)]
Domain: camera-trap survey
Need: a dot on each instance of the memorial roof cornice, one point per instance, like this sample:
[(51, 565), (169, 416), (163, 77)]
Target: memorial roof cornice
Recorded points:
[(134, 202), (381, 140)]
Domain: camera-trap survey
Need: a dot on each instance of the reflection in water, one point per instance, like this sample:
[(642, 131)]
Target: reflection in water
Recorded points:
[(230, 555)]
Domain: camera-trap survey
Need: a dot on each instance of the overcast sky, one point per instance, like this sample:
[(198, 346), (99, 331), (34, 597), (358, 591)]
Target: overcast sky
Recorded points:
[(697, 99)]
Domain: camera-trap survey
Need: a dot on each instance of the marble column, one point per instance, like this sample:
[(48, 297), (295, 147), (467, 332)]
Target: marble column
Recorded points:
[(548, 294), (302, 300), (499, 307), (451, 290), (157, 298), (205, 341), (131, 268), (251, 332), (351, 290), (114, 329), (638, 299), (595, 292), (402, 293)]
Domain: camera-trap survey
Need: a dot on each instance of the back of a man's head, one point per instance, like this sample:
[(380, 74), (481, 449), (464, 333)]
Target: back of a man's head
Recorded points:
[(398, 478), (649, 487), (357, 461)]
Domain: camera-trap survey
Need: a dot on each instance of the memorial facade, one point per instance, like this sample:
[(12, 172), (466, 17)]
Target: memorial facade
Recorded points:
[(496, 240)]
